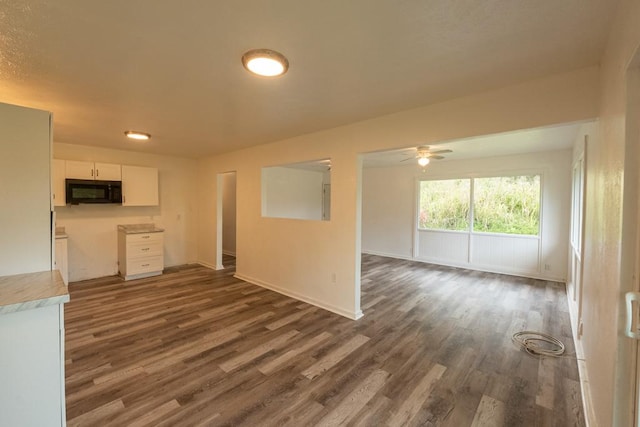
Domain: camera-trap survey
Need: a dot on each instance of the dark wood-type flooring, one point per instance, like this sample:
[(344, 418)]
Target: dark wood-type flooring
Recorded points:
[(199, 347)]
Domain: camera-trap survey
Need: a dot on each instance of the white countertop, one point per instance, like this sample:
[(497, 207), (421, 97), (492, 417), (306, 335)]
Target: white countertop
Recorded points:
[(139, 228), (31, 290)]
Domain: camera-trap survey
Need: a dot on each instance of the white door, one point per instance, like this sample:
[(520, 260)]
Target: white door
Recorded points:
[(626, 403)]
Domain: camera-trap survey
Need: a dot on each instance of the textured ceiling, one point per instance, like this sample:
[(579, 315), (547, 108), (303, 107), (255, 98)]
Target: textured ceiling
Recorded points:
[(173, 68)]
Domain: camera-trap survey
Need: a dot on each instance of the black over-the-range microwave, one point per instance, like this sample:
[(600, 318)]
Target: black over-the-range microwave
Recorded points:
[(90, 191)]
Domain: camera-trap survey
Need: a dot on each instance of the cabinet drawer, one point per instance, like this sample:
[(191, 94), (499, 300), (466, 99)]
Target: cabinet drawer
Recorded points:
[(144, 249), (144, 265), (144, 237)]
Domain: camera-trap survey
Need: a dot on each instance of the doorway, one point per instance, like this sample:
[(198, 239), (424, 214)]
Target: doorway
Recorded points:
[(226, 254)]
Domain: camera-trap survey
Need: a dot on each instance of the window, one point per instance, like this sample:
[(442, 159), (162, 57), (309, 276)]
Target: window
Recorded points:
[(297, 190), (507, 204), (503, 204), (444, 204)]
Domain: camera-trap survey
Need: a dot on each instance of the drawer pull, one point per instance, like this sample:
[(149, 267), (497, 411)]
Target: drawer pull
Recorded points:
[(145, 249), (145, 265), (145, 237)]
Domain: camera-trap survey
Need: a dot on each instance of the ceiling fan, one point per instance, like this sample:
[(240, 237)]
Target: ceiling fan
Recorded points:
[(425, 155)]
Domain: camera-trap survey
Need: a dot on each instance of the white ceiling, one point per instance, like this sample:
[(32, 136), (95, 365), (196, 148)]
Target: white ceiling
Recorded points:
[(173, 68), (524, 141)]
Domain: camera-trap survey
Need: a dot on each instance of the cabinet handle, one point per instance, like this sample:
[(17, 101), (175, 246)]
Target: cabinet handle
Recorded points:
[(145, 249), (91, 172), (97, 172), (145, 265), (145, 237)]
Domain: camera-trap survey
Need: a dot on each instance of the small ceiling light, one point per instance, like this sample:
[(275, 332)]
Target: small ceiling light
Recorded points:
[(423, 161), (265, 62), (141, 136)]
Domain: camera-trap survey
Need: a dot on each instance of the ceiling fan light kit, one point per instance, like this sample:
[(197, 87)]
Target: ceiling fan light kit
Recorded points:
[(424, 155)]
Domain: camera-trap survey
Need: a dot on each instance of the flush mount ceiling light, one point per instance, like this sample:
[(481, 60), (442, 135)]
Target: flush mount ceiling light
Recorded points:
[(141, 136), (265, 62)]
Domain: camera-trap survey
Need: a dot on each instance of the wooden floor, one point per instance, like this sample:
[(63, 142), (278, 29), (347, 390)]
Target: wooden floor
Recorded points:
[(199, 347)]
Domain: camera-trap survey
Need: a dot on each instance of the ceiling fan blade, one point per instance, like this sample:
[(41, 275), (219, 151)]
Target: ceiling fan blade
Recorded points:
[(440, 152), (436, 157), (408, 158)]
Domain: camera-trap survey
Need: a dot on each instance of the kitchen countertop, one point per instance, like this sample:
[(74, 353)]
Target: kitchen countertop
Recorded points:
[(139, 228), (61, 233), (32, 290)]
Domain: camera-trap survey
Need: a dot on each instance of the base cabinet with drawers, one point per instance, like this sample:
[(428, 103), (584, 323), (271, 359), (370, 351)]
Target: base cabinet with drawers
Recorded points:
[(140, 251)]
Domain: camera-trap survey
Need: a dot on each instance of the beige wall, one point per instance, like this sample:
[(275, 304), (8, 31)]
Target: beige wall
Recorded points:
[(389, 209), (92, 229), (605, 160), (302, 258)]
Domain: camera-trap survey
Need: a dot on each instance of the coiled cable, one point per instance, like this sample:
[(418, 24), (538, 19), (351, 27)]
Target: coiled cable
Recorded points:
[(539, 344)]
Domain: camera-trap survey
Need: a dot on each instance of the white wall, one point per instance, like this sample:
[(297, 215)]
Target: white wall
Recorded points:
[(389, 206), (229, 213), (25, 191), (292, 193), (92, 229), (602, 288), (319, 261)]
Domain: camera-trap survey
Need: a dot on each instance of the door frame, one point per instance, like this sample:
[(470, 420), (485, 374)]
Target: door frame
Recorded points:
[(220, 215), (627, 389)]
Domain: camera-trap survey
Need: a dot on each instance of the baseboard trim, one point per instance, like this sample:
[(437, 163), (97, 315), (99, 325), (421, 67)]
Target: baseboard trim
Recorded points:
[(230, 253), (585, 388), (390, 255), (329, 307), (466, 266), (211, 266)]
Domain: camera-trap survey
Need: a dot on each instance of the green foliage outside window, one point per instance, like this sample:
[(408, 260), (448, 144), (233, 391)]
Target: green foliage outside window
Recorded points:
[(509, 204), (444, 204)]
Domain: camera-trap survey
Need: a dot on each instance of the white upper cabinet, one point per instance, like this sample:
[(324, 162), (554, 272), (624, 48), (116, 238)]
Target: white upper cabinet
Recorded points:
[(139, 186), (57, 182), (108, 172), (90, 170)]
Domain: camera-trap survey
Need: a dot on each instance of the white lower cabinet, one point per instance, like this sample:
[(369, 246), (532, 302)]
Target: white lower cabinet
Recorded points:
[(140, 254)]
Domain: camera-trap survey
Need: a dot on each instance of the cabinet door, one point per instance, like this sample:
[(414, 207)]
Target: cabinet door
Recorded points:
[(79, 170), (139, 186), (107, 172), (57, 182)]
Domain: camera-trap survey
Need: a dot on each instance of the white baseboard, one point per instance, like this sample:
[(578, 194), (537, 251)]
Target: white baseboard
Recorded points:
[(585, 388), (211, 266), (467, 266), (329, 307), (390, 255)]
